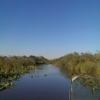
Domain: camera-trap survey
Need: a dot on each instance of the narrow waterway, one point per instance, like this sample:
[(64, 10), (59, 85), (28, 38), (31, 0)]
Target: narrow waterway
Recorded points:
[(47, 82)]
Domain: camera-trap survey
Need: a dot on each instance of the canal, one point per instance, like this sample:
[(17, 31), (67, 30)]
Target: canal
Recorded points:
[(47, 82)]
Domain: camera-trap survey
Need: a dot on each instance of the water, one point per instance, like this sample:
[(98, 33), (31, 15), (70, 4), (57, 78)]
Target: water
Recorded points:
[(85, 87), (45, 83), (86, 92), (48, 82)]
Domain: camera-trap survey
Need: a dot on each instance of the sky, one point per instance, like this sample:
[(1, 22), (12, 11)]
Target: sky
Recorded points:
[(49, 28)]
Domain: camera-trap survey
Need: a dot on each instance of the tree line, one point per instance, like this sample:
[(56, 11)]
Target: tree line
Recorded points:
[(83, 63), (14, 65)]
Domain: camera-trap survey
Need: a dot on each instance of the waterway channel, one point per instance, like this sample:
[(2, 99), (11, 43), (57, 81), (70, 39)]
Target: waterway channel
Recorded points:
[(49, 82)]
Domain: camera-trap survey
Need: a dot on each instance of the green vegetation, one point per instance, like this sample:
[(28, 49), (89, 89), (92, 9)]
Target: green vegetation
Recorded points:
[(84, 63), (12, 67), (19, 65), (93, 83)]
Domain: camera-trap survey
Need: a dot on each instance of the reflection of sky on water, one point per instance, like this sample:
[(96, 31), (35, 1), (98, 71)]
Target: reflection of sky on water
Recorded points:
[(54, 86), (80, 92)]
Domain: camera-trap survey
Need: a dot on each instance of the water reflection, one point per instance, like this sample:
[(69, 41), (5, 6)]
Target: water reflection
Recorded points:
[(92, 82), (84, 87), (6, 81), (49, 83), (45, 83)]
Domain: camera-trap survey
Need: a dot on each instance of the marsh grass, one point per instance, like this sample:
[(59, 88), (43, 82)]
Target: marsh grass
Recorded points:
[(11, 68), (93, 83), (84, 63)]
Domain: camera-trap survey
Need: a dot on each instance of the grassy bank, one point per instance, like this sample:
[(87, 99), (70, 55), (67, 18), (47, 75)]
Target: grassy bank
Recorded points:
[(84, 63), (16, 65), (12, 67)]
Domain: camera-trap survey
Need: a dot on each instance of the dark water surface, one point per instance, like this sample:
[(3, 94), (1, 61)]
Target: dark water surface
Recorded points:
[(47, 82), (81, 92)]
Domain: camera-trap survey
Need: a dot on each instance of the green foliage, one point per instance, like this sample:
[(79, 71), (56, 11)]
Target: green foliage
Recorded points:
[(19, 64), (94, 83), (12, 67), (84, 63)]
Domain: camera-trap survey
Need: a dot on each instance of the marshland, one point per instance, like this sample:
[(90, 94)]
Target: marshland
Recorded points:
[(50, 77), (83, 63), (44, 44)]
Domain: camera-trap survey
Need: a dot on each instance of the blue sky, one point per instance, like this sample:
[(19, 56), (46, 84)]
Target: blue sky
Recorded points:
[(49, 28)]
